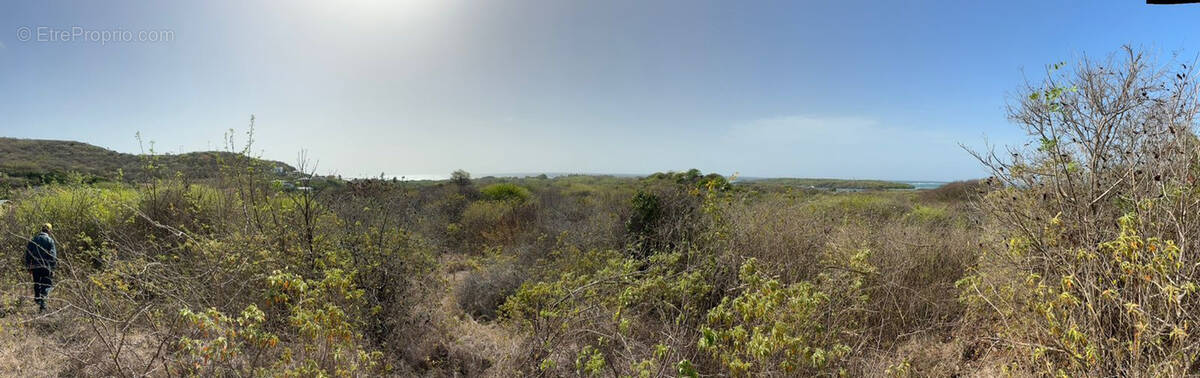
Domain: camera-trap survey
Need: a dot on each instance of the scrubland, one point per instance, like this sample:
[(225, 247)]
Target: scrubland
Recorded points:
[(1072, 259), (573, 275)]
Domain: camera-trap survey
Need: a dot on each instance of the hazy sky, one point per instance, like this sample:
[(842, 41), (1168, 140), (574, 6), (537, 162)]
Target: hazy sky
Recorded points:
[(791, 88)]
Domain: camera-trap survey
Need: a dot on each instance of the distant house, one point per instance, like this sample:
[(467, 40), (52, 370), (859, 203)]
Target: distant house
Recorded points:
[(278, 170)]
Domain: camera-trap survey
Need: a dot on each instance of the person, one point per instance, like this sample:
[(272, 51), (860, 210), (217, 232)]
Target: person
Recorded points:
[(41, 257)]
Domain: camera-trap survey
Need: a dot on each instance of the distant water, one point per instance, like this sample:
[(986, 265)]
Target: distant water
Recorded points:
[(921, 185)]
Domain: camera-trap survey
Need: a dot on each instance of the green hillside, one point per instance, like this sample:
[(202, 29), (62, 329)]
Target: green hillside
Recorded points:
[(34, 162)]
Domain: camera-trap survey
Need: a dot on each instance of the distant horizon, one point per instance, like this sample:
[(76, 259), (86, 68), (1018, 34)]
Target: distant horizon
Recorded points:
[(767, 89), (441, 177), (445, 176)]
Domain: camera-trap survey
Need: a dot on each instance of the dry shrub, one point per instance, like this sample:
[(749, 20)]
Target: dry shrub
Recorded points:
[(605, 313), (958, 191), (483, 291), (1087, 273), (488, 222), (664, 215), (920, 250), (140, 296), (785, 233)]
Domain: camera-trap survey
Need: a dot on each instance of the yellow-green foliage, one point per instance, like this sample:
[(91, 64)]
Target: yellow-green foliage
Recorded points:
[(602, 301), (316, 296), (208, 203), (315, 311), (506, 192), (78, 214), (769, 328), (490, 222), (579, 190), (1125, 306), (873, 205), (927, 214), (773, 328), (486, 212), (215, 338)]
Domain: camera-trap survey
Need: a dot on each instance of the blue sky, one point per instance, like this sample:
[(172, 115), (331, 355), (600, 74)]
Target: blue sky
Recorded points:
[(848, 89)]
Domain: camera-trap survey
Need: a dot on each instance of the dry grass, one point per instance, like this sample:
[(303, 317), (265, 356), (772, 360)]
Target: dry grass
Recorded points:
[(491, 345), (58, 344), (920, 252), (29, 349)]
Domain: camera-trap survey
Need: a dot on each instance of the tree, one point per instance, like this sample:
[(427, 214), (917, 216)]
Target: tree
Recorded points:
[(460, 178)]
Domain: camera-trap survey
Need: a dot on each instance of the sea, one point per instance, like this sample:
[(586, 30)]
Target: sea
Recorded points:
[(924, 185)]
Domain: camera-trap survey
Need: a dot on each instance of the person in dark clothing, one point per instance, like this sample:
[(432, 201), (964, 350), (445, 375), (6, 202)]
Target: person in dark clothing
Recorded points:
[(41, 257)]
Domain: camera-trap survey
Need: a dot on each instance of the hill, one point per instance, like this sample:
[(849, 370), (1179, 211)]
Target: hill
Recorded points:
[(34, 162)]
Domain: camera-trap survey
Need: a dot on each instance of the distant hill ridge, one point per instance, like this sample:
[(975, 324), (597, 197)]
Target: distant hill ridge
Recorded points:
[(37, 161)]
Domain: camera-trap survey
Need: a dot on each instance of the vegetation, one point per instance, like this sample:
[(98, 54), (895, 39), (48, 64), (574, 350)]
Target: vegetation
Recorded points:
[(1090, 274), (30, 162), (829, 184), (1072, 260)]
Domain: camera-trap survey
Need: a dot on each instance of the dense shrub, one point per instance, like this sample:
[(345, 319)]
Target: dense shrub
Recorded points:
[(643, 218), (482, 292), (609, 314), (180, 278), (506, 192), (490, 223), (776, 329)]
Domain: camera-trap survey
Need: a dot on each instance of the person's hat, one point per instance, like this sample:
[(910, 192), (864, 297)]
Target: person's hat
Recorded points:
[(47, 227)]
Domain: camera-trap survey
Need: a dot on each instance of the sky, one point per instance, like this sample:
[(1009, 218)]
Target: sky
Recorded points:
[(844, 89)]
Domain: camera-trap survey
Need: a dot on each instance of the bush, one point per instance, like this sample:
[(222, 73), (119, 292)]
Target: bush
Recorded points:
[(603, 314), (483, 291), (957, 191), (315, 314), (923, 214), (643, 219), (506, 192), (775, 329), (1124, 307), (82, 216), (665, 215), (1085, 278), (460, 178), (490, 222)]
